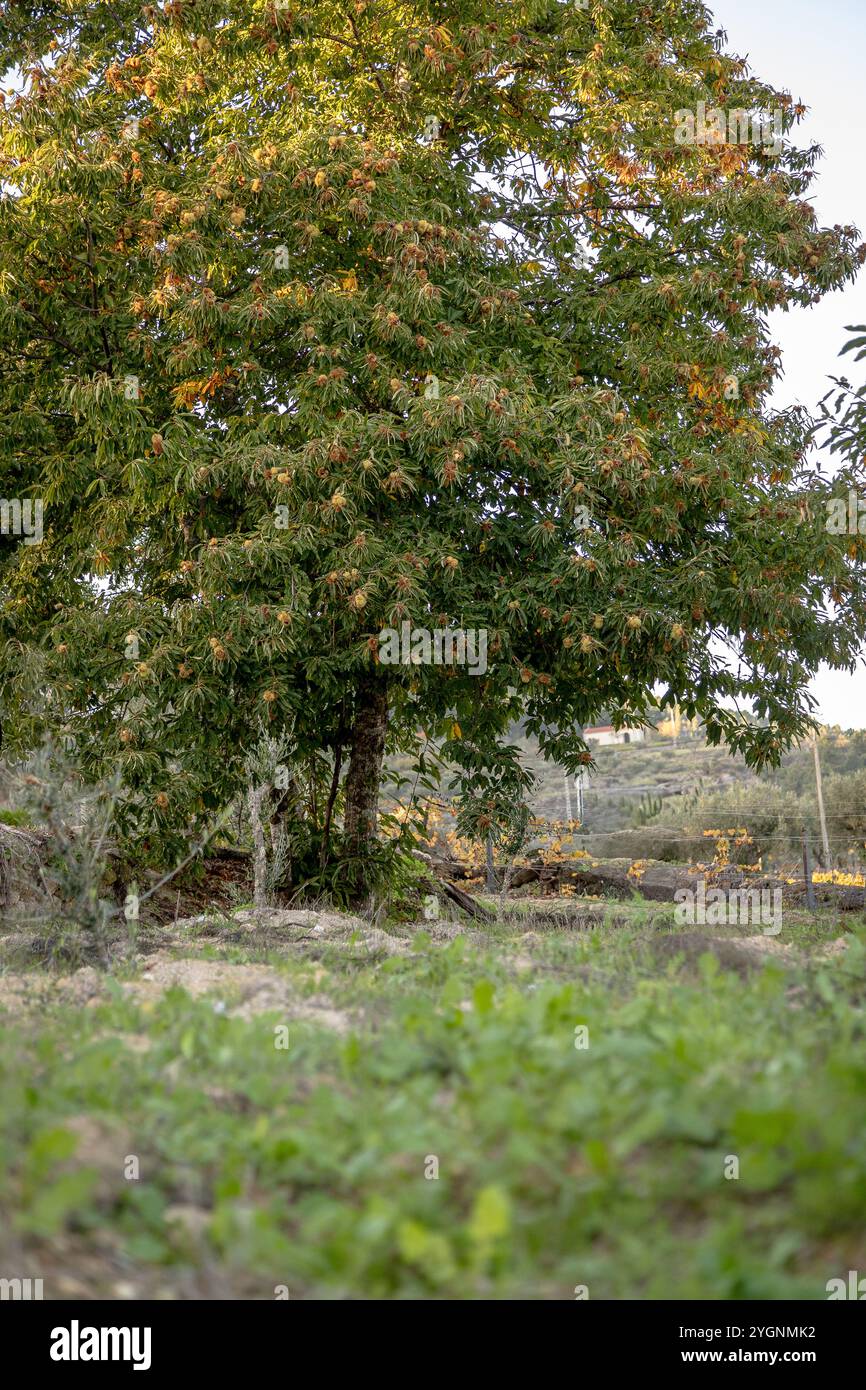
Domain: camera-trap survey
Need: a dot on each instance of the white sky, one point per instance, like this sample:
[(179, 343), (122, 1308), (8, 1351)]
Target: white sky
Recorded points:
[(816, 51)]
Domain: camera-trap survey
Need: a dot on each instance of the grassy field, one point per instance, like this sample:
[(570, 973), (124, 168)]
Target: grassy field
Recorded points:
[(581, 1085)]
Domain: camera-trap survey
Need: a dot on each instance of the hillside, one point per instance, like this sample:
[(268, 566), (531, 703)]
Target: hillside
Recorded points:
[(661, 798)]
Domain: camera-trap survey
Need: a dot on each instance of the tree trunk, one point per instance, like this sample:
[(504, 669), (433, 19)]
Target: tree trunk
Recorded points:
[(283, 814), (255, 799), (363, 778)]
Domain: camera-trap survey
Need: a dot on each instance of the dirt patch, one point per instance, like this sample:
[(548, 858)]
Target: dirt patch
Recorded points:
[(15, 992), (834, 948), (35, 990), (521, 963), (244, 991), (744, 954), (248, 990), (103, 1145), (285, 925), (261, 988), (133, 1042)]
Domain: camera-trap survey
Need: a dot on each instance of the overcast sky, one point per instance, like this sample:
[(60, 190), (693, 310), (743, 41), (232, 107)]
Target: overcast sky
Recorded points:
[(815, 49)]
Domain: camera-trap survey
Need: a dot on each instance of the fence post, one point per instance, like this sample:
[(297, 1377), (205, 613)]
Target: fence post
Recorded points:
[(807, 875), (491, 872)]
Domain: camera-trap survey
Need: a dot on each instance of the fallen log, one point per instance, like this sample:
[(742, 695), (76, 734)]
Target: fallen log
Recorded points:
[(468, 903), (524, 875), (449, 892)]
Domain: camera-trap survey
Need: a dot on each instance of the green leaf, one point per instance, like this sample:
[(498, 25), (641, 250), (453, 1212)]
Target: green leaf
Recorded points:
[(482, 996)]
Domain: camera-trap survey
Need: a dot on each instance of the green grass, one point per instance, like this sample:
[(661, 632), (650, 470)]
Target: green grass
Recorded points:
[(558, 1166)]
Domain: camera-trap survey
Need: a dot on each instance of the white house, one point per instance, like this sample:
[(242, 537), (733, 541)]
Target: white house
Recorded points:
[(606, 733)]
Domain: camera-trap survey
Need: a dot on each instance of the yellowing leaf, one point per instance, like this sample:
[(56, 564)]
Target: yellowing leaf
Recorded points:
[(491, 1215), (412, 1239)]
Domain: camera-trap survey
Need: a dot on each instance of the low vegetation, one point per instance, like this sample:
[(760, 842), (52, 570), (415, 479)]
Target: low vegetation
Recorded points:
[(579, 1081)]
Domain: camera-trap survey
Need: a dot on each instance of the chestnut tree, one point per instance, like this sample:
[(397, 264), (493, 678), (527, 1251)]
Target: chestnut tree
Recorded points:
[(316, 319)]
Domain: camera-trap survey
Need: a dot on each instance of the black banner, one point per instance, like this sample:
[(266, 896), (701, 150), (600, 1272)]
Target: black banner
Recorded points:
[(83, 1340)]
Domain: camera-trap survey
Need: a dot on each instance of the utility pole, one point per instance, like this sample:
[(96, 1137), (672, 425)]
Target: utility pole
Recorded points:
[(824, 841), (580, 797), (567, 799)]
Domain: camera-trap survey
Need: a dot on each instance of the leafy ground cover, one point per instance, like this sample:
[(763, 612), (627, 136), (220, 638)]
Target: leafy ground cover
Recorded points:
[(547, 1106)]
